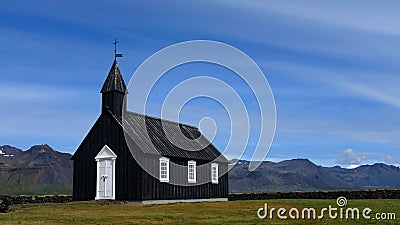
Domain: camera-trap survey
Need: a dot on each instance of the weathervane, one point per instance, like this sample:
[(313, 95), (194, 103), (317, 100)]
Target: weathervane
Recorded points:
[(116, 55)]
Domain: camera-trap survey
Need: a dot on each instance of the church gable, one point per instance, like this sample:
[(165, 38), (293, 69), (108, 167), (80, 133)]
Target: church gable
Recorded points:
[(99, 134), (106, 153)]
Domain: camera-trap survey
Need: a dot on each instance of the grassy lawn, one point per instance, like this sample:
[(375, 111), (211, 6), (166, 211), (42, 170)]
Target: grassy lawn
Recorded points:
[(233, 212)]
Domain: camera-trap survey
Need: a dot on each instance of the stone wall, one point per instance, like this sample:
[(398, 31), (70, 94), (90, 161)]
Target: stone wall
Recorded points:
[(367, 194), (7, 201)]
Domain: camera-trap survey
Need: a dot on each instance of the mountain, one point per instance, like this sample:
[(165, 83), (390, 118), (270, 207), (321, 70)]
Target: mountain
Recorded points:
[(43, 170), (39, 170), (303, 175)]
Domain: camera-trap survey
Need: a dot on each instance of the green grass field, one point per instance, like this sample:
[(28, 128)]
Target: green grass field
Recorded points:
[(232, 212)]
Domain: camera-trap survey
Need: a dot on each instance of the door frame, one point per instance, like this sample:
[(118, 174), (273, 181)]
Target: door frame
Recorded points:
[(105, 154)]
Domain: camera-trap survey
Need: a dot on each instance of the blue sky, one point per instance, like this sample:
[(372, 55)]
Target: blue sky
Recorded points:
[(333, 68)]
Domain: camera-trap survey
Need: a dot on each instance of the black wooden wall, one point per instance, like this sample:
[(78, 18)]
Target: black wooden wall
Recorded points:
[(113, 101), (106, 131), (132, 182), (152, 188)]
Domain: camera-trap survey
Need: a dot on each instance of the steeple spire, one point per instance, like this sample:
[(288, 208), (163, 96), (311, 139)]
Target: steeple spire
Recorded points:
[(114, 89), (114, 81)]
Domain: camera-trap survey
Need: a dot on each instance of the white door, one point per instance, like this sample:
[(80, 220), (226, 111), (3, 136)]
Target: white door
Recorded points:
[(105, 184), (105, 179)]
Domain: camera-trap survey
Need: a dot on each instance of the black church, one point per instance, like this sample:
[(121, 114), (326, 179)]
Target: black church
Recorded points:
[(106, 163)]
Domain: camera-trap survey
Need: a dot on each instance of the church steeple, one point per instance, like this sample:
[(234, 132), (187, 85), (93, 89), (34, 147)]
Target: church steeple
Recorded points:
[(114, 81), (114, 92)]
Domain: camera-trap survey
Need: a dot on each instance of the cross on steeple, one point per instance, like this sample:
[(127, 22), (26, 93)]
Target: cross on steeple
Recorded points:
[(115, 50)]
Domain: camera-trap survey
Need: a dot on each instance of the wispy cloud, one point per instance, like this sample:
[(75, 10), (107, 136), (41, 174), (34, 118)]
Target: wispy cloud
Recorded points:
[(38, 112), (350, 158), (352, 81), (372, 91), (388, 159), (359, 15), (24, 92)]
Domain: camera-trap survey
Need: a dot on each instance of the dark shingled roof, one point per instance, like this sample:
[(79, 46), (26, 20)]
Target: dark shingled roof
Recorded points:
[(114, 81), (136, 124)]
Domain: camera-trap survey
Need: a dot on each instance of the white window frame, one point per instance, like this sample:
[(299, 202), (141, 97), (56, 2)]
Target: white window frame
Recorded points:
[(214, 179), (192, 163), (164, 160)]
